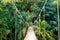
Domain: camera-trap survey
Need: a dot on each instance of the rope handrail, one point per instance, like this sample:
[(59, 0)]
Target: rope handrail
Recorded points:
[(42, 9)]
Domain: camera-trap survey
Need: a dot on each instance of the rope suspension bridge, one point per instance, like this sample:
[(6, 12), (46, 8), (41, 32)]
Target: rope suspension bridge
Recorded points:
[(30, 32)]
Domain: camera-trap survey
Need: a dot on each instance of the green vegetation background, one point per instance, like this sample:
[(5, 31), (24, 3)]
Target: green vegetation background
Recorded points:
[(16, 15)]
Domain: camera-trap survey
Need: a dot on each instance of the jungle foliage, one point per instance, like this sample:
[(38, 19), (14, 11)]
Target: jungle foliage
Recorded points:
[(16, 15)]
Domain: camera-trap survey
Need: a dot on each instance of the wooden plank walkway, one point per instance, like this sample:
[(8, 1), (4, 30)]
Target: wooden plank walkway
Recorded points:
[(30, 34)]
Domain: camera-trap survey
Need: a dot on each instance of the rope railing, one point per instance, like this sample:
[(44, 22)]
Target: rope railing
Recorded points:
[(42, 9)]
